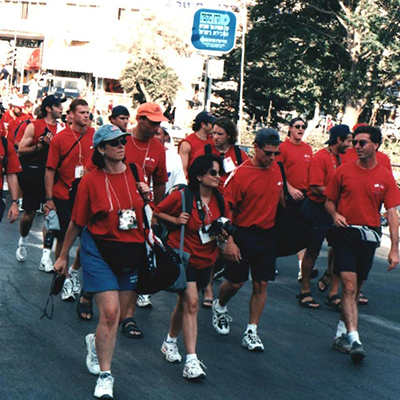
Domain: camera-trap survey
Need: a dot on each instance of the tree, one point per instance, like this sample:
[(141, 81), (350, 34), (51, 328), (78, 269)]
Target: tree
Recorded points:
[(340, 54)]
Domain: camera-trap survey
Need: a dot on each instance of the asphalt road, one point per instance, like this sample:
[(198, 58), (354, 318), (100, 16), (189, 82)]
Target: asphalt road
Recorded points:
[(43, 359)]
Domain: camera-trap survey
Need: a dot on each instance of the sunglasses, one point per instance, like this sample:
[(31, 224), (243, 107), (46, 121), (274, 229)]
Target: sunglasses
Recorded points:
[(270, 153), (362, 142), (213, 172), (300, 126), (117, 142)]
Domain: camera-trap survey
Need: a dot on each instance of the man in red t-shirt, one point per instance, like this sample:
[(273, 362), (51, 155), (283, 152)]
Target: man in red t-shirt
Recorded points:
[(253, 245), (202, 127), (12, 118), (322, 169), (9, 166), (354, 199), (32, 151), (296, 158), (69, 151)]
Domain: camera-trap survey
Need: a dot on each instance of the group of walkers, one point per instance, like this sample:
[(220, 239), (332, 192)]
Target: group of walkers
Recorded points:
[(95, 184)]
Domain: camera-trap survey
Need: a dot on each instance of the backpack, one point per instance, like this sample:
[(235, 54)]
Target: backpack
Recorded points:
[(238, 153), (27, 122), (5, 159)]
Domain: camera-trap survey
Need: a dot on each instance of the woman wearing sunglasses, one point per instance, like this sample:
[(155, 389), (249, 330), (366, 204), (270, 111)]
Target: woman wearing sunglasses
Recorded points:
[(109, 207), (208, 206)]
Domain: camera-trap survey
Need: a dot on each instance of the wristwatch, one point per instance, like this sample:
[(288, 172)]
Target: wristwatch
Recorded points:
[(15, 201), (49, 199)]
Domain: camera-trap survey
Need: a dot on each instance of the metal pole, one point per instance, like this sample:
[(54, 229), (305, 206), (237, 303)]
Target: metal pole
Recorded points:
[(244, 27), (206, 83)]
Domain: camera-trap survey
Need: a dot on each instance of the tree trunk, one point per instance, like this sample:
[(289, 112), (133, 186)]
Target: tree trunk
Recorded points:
[(352, 113)]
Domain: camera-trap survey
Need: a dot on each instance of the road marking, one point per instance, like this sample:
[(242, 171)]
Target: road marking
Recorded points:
[(382, 322)]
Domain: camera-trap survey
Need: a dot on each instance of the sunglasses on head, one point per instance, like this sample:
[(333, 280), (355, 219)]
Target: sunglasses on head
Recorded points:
[(213, 172), (116, 142), (300, 126), (270, 153), (361, 142)]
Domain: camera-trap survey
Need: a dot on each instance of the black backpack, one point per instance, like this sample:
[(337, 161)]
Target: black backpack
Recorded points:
[(5, 160), (238, 153)]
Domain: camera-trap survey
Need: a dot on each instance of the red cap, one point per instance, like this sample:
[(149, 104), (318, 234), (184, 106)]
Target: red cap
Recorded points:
[(152, 111)]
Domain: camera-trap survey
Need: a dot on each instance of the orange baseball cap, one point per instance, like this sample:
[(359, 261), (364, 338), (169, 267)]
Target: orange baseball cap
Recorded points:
[(152, 111)]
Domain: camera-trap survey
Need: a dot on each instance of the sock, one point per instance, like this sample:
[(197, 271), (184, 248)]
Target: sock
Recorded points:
[(171, 339), (190, 357), (341, 329), (72, 271), (219, 308), (24, 240), (105, 372), (251, 327), (300, 265), (354, 337), (46, 253)]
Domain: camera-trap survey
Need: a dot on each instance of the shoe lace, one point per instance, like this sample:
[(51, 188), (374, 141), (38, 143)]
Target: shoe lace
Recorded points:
[(253, 338), (105, 382), (195, 365), (224, 319)]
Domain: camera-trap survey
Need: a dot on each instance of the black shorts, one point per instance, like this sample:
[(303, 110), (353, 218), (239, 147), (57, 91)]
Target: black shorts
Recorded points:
[(351, 253), (64, 215), (201, 276), (258, 251), (33, 190), (320, 222)]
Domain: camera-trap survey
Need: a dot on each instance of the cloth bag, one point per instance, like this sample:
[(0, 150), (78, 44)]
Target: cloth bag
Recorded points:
[(292, 230)]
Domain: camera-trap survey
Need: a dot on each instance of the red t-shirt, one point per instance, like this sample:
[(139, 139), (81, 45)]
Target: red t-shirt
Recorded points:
[(13, 125), (381, 158), (40, 126), (196, 144), (13, 165), (97, 207), (59, 146), (201, 255), (322, 168), (360, 193), (150, 156), (21, 131), (253, 194), (228, 159), (296, 159)]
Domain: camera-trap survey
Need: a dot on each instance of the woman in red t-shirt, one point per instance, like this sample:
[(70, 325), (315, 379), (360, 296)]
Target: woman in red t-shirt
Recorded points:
[(204, 179), (109, 207)]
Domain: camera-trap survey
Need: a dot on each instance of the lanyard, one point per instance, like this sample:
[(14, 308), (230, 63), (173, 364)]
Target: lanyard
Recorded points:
[(109, 189)]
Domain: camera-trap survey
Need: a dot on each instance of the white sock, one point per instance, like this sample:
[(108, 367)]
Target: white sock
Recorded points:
[(251, 327), (24, 240), (171, 339), (46, 253), (341, 329), (354, 337), (219, 308), (190, 357), (72, 271), (300, 265)]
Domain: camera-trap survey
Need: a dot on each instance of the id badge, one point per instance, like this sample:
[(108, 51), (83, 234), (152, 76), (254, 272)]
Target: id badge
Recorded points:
[(127, 220), (78, 171), (205, 235), (229, 165)]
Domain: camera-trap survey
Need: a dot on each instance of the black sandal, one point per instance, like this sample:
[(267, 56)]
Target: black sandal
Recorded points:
[(329, 302), (325, 280), (85, 308), (309, 303), (130, 328)]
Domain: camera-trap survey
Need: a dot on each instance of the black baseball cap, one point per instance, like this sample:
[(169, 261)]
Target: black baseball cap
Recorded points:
[(337, 131), (205, 117), (52, 100), (267, 136)]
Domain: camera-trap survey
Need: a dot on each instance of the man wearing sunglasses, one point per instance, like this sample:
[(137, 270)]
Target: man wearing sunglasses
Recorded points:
[(296, 157), (253, 243), (354, 199), (69, 152), (322, 168)]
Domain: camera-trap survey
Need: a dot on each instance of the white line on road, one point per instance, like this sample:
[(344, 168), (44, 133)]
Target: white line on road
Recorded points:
[(382, 322)]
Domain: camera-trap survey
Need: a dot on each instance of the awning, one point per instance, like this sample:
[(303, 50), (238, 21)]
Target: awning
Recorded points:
[(34, 60)]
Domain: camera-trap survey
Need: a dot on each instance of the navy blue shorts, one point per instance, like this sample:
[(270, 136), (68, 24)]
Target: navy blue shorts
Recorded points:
[(321, 222), (201, 276), (258, 251)]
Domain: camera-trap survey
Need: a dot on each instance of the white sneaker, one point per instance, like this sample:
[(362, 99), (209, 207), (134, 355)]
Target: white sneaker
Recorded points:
[(46, 264), (92, 362), (67, 293), (22, 251), (104, 386), (221, 320), (193, 369), (170, 349), (143, 301), (76, 285), (252, 341)]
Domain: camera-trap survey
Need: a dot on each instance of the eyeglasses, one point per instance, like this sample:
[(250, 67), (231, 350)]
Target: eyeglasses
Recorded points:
[(213, 172), (270, 153), (362, 142), (116, 142), (300, 126)]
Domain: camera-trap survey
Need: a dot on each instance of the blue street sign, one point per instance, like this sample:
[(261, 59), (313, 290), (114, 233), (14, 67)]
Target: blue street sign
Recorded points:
[(214, 30)]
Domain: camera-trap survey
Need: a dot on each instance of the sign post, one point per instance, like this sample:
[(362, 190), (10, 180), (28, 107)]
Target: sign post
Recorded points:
[(213, 33)]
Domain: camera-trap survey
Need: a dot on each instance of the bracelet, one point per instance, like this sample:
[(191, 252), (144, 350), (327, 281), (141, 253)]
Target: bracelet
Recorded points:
[(15, 201), (49, 199)]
